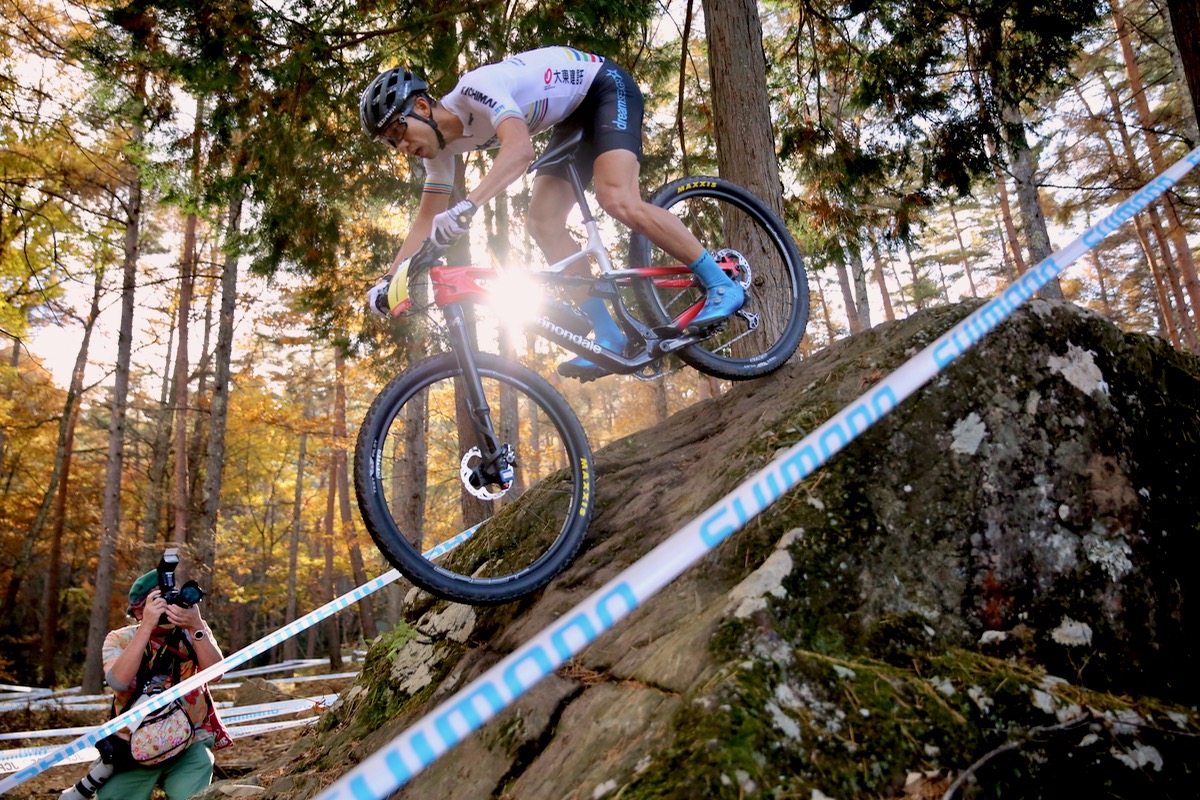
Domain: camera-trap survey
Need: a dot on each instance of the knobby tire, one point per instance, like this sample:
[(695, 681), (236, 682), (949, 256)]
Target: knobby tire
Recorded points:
[(728, 219), (407, 479)]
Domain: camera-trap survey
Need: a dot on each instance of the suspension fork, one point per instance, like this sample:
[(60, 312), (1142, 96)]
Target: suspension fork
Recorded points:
[(461, 331)]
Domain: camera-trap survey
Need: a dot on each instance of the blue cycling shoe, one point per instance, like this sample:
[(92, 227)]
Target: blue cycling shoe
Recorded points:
[(725, 296), (608, 335), (722, 303)]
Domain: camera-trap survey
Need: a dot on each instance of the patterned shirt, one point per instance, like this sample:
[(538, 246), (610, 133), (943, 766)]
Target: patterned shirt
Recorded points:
[(540, 86), (198, 702)]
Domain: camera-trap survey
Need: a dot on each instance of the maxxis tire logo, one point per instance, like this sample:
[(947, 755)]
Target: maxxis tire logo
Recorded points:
[(696, 185)]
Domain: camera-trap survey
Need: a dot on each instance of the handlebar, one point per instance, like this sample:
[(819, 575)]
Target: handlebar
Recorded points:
[(427, 256)]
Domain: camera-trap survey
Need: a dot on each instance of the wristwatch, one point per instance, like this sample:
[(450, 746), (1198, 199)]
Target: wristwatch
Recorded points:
[(198, 635)]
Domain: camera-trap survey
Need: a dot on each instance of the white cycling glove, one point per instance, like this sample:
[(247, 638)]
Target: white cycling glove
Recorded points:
[(389, 297), (452, 223)]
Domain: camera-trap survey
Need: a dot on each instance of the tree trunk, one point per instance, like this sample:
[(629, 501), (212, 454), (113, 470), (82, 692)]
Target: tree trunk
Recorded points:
[(187, 280), (98, 623), (1170, 272), (181, 497), (333, 630), (291, 648), (826, 317), (1183, 252), (888, 312), (965, 260), (839, 268), (741, 110), (661, 409), (742, 128), (366, 611), (1024, 169), (918, 285), (858, 278), (62, 476), (205, 544), (199, 434), (681, 92), (156, 476), (1185, 21)]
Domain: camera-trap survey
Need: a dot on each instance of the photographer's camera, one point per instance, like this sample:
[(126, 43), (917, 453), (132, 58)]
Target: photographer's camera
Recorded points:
[(184, 596)]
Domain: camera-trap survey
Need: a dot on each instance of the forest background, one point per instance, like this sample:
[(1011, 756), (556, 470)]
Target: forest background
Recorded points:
[(190, 216)]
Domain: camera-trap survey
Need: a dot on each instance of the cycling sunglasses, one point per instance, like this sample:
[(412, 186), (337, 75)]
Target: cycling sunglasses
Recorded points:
[(393, 141)]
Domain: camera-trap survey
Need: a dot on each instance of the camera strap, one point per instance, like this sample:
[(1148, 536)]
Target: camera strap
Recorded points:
[(166, 659)]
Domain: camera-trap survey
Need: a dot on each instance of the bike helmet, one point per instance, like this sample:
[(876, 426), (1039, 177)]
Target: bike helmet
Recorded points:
[(388, 97)]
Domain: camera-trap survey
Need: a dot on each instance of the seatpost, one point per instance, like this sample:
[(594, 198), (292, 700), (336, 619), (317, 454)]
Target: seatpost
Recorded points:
[(580, 196), (595, 245)]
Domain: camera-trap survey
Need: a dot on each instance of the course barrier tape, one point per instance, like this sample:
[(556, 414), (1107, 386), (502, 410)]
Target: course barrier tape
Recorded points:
[(134, 716), (230, 715), (395, 763), (283, 666), (76, 703), (271, 727), (13, 760), (329, 676)]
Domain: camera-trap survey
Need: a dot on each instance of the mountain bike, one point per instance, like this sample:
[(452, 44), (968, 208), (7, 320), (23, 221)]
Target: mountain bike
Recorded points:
[(449, 445)]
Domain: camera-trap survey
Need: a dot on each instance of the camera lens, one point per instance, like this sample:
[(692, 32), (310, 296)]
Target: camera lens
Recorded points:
[(190, 594)]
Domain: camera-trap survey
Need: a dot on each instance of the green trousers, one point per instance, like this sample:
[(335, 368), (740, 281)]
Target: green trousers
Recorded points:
[(181, 777)]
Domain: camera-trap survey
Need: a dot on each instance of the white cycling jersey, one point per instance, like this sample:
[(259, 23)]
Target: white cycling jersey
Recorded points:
[(540, 86)]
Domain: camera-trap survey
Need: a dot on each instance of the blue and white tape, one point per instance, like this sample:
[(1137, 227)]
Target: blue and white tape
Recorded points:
[(420, 745)]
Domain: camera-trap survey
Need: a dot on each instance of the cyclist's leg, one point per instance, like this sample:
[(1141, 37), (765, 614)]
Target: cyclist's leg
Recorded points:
[(549, 205), (616, 179), (552, 200), (617, 191), (618, 144)]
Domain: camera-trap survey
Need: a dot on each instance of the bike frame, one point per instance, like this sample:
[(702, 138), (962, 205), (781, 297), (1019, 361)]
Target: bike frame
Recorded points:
[(454, 286), (457, 289)]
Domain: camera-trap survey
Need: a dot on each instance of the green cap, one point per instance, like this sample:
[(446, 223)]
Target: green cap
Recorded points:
[(142, 586)]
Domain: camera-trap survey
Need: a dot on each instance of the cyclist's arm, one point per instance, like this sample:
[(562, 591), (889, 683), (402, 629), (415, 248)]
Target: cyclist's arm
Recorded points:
[(432, 204), (514, 157)]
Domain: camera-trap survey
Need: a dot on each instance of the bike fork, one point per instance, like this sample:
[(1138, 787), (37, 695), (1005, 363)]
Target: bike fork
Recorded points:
[(495, 464)]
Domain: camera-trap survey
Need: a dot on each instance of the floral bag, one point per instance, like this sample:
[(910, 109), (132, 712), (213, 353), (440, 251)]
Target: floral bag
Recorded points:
[(162, 734)]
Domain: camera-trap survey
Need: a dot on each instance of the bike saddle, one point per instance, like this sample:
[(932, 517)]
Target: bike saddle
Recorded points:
[(556, 155)]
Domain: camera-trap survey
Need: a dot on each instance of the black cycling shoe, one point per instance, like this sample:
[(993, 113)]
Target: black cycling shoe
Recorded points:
[(581, 369)]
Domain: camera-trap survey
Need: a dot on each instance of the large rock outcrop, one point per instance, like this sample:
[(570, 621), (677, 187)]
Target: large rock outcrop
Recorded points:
[(995, 585)]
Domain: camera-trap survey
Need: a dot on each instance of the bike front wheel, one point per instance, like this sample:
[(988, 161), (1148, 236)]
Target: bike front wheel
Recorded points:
[(754, 245), (413, 467)]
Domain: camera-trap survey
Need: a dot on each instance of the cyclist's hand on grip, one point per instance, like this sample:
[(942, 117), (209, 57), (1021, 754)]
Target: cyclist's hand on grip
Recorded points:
[(453, 222), (389, 297)]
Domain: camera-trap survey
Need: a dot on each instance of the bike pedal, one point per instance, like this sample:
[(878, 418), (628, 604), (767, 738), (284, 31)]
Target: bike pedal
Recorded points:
[(708, 330)]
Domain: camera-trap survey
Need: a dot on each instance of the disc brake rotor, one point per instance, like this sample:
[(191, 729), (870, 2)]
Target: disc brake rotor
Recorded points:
[(743, 269), (468, 472)]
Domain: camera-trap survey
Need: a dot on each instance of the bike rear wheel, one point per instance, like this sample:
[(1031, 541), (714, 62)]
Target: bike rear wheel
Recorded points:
[(738, 229), (412, 463)]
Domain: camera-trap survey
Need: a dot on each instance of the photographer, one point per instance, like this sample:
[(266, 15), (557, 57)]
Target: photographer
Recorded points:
[(169, 644)]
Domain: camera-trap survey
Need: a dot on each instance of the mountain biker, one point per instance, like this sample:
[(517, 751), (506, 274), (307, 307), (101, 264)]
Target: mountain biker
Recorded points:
[(501, 106)]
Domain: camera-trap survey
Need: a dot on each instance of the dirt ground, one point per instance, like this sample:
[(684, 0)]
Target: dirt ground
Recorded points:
[(245, 754)]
